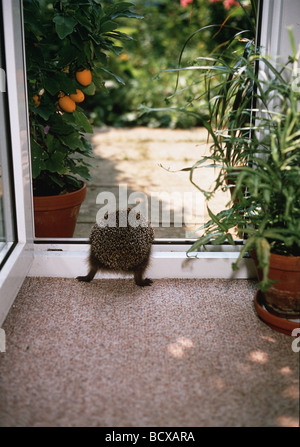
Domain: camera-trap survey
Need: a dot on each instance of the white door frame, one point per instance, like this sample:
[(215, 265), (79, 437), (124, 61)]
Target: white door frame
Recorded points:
[(20, 259), (277, 15)]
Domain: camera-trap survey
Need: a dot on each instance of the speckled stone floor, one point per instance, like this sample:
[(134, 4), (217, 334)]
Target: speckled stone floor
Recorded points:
[(181, 353)]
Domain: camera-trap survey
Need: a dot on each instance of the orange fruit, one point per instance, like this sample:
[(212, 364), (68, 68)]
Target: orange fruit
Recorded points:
[(36, 99), (67, 104), (78, 96), (84, 77), (124, 57)]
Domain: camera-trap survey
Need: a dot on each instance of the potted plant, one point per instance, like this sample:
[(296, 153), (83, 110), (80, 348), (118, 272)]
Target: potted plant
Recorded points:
[(229, 86), (267, 211), (67, 45), (254, 124)]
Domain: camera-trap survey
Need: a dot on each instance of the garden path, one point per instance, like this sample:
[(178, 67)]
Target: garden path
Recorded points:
[(140, 158)]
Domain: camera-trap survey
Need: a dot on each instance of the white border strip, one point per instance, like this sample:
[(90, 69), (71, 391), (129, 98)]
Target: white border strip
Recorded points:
[(57, 260)]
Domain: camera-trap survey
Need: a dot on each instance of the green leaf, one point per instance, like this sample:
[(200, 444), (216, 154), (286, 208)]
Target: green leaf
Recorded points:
[(128, 14), (38, 157), (122, 6), (83, 171), (50, 142), (88, 149), (60, 124), (67, 85), (73, 181), (101, 57), (59, 81), (44, 111), (120, 80), (108, 26), (117, 50), (57, 180), (201, 242), (55, 163), (51, 85), (64, 25), (216, 220), (98, 81), (83, 21), (120, 36), (89, 89), (67, 55), (72, 141), (82, 121)]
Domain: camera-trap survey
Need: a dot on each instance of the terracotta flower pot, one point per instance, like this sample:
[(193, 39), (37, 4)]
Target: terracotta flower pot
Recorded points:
[(283, 298), (56, 216), (279, 324)]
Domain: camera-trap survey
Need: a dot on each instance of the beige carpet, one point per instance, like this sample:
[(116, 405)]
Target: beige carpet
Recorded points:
[(182, 353)]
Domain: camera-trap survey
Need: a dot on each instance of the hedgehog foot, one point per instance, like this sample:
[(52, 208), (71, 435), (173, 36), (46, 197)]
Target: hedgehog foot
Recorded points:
[(84, 278), (144, 282)]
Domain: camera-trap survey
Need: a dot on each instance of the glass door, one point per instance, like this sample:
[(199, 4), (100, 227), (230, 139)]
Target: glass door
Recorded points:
[(16, 234), (7, 205)]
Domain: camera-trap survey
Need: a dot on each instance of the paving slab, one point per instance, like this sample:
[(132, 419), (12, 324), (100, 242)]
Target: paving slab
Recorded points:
[(144, 164)]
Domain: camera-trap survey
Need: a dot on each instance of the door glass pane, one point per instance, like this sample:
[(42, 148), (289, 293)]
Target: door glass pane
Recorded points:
[(7, 222), (140, 157)]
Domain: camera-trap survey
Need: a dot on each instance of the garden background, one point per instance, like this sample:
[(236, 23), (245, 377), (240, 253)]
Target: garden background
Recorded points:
[(156, 45)]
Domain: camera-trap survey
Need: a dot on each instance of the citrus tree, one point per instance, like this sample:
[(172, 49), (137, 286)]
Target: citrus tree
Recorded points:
[(67, 46)]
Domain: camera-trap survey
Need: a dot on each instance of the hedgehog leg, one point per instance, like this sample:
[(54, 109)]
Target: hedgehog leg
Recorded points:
[(89, 276), (94, 267), (138, 276)]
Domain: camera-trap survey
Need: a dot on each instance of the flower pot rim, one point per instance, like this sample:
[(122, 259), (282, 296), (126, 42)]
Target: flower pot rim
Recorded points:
[(61, 195), (67, 200), (276, 255), (282, 262), (283, 325)]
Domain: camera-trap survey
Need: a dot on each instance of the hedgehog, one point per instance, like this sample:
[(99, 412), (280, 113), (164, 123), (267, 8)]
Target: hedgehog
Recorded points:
[(121, 241)]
